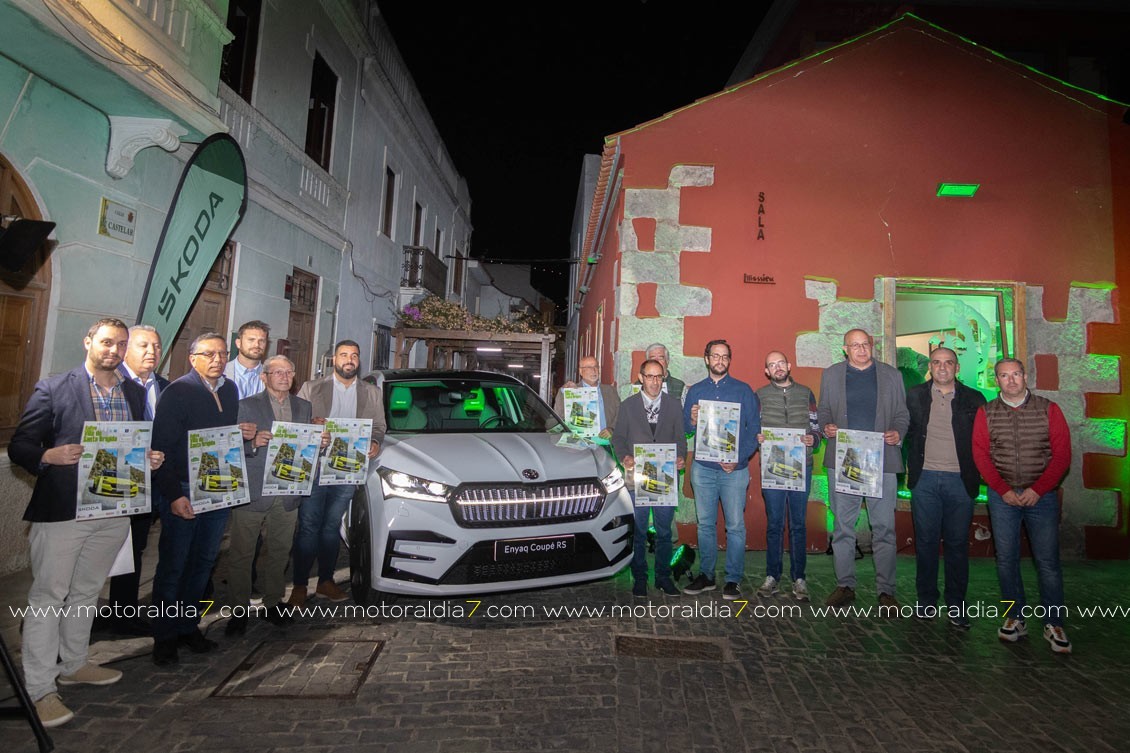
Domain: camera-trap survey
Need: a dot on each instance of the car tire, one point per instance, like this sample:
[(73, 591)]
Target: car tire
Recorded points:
[(361, 554)]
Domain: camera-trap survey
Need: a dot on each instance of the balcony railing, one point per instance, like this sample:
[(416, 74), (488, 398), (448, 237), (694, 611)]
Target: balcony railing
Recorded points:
[(423, 269)]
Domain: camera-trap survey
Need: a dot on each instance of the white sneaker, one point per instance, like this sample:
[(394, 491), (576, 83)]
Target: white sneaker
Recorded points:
[(800, 589), (1057, 638), (1012, 630), (769, 587), (52, 712)]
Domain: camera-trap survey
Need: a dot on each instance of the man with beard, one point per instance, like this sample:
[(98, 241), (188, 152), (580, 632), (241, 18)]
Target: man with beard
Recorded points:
[(943, 478), (247, 368), (189, 543), (863, 394), (726, 481), (143, 355), (787, 405), (69, 558), (339, 395)]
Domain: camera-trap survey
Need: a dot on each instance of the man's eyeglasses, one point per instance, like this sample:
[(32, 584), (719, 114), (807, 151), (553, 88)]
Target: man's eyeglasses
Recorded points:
[(652, 376), (858, 346), (212, 355), (281, 372), (718, 357)]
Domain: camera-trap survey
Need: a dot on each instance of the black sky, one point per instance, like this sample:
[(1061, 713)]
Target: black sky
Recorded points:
[(521, 92)]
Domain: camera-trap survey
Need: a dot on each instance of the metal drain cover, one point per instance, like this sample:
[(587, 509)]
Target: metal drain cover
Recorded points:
[(650, 647), (302, 669)]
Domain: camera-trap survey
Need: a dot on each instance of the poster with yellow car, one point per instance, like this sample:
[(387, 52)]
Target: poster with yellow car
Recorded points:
[(113, 470), (215, 469)]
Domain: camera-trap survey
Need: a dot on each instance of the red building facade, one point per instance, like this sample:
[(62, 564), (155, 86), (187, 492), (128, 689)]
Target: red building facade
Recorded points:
[(784, 211)]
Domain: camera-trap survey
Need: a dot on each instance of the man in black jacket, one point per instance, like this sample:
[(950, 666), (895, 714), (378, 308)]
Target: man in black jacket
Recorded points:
[(944, 479), (201, 399), (69, 558), (650, 417)]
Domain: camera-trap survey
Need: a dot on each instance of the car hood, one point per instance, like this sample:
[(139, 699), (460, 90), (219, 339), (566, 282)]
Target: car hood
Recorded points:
[(455, 459)]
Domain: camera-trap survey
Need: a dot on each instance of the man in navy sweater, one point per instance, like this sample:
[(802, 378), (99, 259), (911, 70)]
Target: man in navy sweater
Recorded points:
[(726, 481), (201, 399)]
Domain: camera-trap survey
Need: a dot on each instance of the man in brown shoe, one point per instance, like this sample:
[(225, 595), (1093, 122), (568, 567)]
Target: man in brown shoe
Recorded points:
[(70, 558), (341, 394)]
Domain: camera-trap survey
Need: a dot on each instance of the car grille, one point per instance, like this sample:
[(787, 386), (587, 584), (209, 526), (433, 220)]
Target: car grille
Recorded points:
[(527, 504)]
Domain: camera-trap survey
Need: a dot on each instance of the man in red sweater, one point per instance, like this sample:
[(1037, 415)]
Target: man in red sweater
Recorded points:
[(1022, 447)]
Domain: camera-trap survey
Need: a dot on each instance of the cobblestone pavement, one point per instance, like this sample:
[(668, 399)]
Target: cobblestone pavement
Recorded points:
[(514, 677)]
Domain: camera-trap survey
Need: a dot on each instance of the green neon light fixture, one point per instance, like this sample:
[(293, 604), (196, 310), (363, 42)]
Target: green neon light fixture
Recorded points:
[(963, 190)]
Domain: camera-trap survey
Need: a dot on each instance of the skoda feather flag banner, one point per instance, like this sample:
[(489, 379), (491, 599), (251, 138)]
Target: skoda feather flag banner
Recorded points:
[(207, 207)]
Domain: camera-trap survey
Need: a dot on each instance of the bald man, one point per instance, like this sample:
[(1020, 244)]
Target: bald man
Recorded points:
[(588, 372)]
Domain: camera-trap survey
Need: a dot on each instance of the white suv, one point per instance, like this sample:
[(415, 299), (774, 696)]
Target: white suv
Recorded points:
[(480, 488)]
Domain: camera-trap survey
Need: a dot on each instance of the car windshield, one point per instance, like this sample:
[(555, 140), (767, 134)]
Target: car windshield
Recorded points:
[(444, 406)]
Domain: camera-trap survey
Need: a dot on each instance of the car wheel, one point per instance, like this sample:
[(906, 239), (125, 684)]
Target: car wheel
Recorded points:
[(361, 554), (360, 550)]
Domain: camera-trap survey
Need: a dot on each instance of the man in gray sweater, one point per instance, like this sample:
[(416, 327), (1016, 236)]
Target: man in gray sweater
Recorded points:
[(863, 394)]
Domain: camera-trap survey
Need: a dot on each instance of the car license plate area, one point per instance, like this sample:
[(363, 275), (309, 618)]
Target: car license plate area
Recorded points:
[(517, 550)]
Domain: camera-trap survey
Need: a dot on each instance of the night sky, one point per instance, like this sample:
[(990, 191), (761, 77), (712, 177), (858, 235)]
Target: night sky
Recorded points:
[(521, 92)]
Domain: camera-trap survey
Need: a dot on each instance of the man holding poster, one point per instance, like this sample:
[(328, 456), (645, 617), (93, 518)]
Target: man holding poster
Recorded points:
[(651, 417), (189, 543), (786, 405), (862, 394), (276, 516), (588, 371), (725, 481), (70, 558)]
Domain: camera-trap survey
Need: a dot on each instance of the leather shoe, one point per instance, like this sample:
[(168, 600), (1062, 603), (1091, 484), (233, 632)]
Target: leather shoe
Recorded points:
[(297, 597), (236, 626), (277, 616), (196, 642), (165, 652), (330, 590)]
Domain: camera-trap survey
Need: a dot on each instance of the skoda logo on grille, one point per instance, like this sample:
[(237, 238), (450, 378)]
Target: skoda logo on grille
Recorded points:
[(531, 474)]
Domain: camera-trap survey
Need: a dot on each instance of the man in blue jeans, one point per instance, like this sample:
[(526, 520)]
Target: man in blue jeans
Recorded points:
[(1022, 447), (727, 482), (787, 405), (339, 395), (943, 476), (189, 543)]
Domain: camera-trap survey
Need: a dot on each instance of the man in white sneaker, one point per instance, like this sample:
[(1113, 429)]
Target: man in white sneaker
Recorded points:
[(70, 558), (787, 405), (1022, 447)]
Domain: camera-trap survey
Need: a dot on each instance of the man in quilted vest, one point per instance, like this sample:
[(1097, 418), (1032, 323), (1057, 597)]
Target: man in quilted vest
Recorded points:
[(1022, 448)]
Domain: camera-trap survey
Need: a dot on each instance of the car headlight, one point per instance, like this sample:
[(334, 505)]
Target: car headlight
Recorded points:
[(399, 484), (613, 481)]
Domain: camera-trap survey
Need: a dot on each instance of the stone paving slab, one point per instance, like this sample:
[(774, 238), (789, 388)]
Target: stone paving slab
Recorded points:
[(516, 676)]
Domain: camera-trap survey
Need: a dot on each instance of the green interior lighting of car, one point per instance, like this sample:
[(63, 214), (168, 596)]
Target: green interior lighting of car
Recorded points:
[(400, 399), (475, 401)]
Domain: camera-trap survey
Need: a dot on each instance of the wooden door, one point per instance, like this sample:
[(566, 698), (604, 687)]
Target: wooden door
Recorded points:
[(302, 291), (209, 313)]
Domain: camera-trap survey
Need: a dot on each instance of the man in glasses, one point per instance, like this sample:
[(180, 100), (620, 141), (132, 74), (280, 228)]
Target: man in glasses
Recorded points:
[(650, 417), (201, 399), (276, 516), (588, 371), (727, 482), (863, 394)]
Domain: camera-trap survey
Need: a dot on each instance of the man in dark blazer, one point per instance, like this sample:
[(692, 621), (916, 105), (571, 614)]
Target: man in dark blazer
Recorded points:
[(190, 542), (866, 395), (338, 395), (143, 356), (70, 559), (276, 514), (650, 416), (941, 472), (588, 371)]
